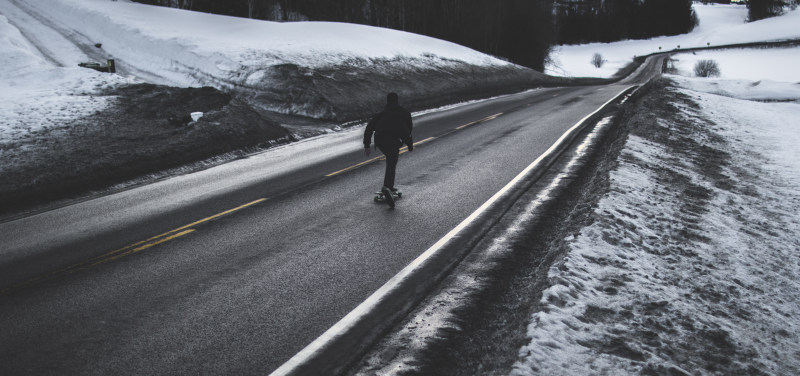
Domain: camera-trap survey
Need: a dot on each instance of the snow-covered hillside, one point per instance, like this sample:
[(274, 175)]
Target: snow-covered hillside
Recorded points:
[(183, 48), (719, 25), (37, 94), (691, 264)]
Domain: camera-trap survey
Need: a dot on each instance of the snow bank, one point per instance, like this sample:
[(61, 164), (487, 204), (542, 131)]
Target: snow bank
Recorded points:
[(632, 296), (316, 69), (19, 56), (719, 25), (761, 90), (691, 265), (192, 48)]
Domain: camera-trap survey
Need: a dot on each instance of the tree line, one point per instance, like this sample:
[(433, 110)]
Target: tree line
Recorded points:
[(585, 21), (761, 9)]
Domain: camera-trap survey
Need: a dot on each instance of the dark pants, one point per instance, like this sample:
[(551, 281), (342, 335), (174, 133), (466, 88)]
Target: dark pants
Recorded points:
[(390, 147)]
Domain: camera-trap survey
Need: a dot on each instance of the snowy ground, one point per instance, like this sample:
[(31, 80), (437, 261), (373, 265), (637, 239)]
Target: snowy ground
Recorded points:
[(771, 64), (37, 94), (691, 264), (719, 25)]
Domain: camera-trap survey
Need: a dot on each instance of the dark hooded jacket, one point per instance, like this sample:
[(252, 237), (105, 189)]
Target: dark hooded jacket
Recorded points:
[(394, 121)]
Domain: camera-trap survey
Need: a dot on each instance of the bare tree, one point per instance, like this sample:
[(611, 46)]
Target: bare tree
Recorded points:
[(597, 60), (251, 8), (706, 68)]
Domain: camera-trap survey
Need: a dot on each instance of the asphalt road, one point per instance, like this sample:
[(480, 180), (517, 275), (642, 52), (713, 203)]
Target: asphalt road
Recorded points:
[(234, 269)]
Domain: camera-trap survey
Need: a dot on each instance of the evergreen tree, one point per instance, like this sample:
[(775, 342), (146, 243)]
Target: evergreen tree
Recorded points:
[(583, 21), (761, 9)]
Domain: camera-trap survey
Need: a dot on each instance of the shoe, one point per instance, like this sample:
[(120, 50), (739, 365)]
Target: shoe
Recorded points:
[(387, 194)]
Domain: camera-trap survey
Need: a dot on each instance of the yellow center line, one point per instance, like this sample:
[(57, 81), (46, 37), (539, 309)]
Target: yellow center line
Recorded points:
[(480, 121), (143, 247), (215, 216), (403, 150), (355, 166), (195, 223), (127, 250)]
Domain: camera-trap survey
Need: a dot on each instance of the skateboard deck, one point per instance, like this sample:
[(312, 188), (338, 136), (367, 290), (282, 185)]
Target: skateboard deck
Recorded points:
[(380, 197)]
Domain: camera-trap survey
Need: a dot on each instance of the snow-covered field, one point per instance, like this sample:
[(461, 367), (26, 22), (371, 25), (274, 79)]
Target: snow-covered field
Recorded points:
[(734, 64), (719, 25), (692, 263)]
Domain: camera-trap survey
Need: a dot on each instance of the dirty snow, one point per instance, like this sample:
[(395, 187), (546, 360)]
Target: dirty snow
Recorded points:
[(719, 25), (692, 264)]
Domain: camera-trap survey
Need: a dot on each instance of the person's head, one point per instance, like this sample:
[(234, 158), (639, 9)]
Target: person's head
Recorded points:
[(392, 99)]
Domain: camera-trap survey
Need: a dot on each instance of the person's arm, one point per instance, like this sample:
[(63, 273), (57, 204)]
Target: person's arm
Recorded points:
[(368, 133), (410, 140)]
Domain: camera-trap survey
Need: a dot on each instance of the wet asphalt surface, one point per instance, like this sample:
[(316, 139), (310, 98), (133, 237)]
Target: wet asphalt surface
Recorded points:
[(241, 292)]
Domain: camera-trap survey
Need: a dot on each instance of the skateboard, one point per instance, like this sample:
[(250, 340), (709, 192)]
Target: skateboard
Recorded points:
[(379, 196)]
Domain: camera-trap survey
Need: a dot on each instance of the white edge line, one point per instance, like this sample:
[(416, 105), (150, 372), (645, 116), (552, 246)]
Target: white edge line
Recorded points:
[(370, 303)]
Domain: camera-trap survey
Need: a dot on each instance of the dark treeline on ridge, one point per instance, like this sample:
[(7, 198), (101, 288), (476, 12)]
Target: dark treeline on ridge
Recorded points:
[(520, 31), (584, 21), (761, 9)]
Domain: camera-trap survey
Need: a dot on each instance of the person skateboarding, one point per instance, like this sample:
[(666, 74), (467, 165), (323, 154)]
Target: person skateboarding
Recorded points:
[(392, 128)]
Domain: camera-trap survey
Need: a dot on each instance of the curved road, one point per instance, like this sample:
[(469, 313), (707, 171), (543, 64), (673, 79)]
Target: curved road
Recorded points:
[(234, 269)]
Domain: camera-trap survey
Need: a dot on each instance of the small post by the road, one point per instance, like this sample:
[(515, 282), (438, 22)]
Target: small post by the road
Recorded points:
[(112, 67)]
